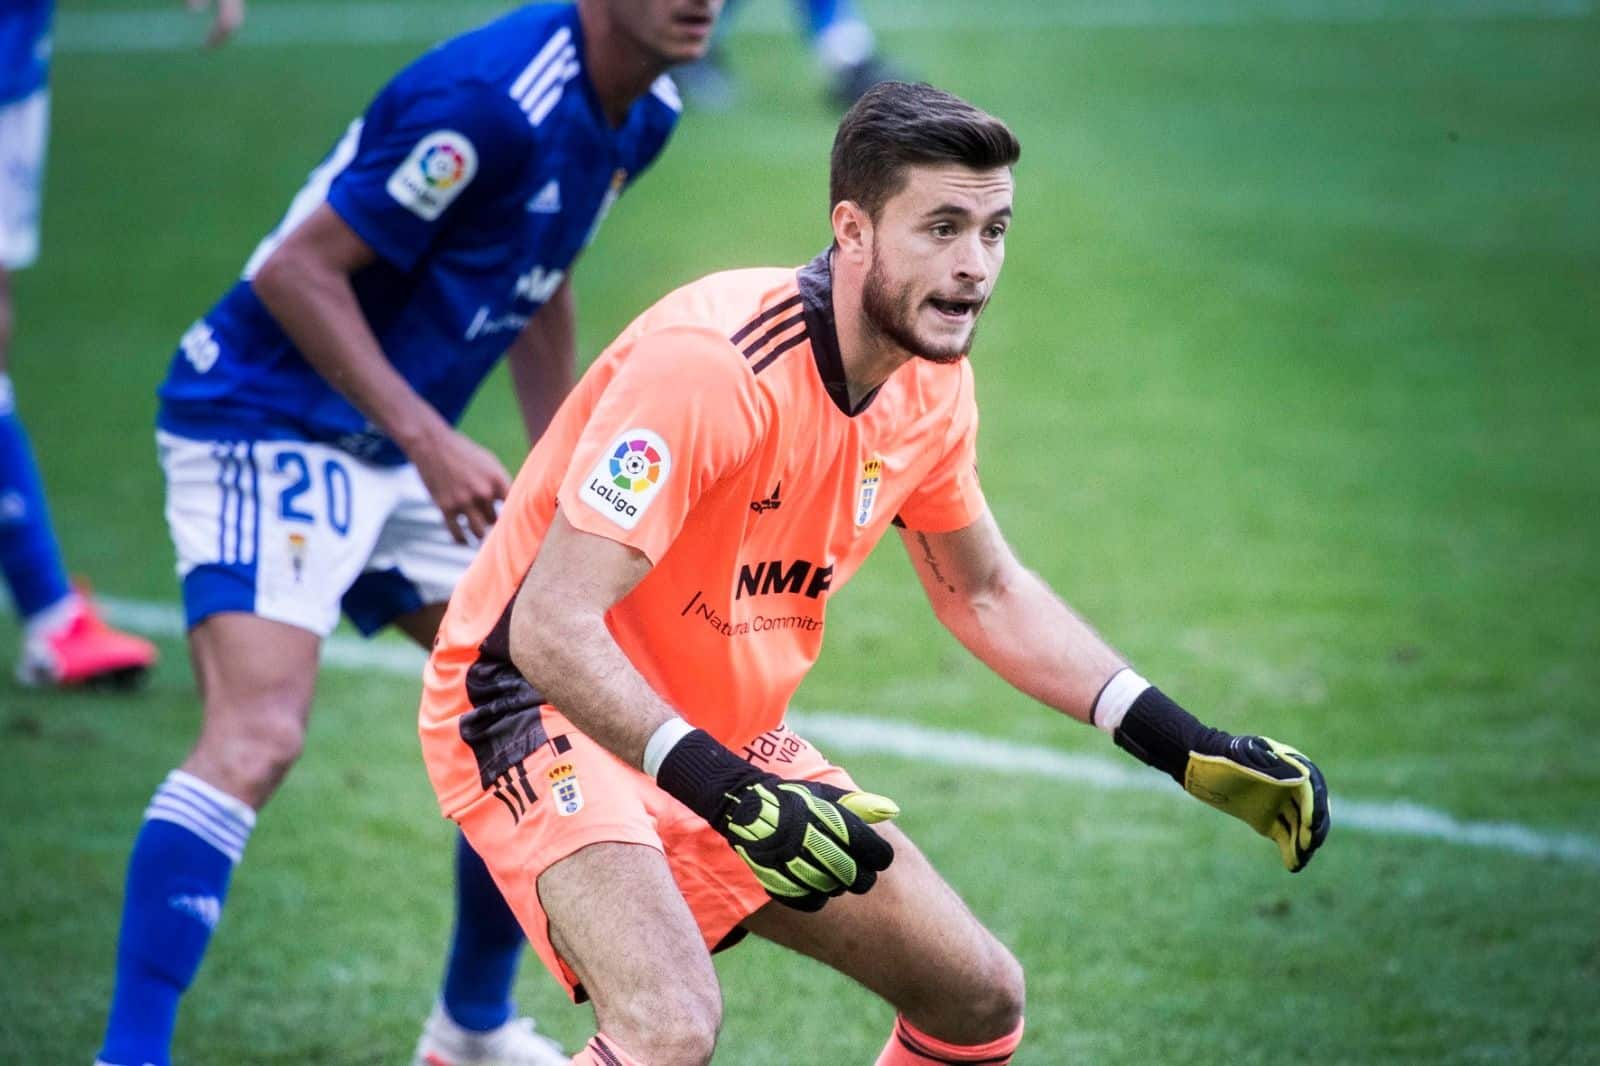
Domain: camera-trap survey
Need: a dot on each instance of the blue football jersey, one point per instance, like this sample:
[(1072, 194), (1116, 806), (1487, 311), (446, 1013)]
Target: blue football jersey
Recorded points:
[(24, 47), (477, 175)]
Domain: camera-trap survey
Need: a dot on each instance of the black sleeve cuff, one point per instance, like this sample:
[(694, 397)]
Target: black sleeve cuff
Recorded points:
[(699, 773), (1158, 732)]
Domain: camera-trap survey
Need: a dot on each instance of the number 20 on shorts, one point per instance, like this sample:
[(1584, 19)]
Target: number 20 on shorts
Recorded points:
[(300, 493)]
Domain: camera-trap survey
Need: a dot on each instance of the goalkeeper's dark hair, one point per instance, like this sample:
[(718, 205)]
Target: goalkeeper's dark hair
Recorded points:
[(896, 125)]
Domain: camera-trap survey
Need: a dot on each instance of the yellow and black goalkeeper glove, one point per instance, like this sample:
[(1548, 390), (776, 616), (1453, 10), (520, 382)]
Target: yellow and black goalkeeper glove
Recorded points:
[(805, 841), (1269, 786)]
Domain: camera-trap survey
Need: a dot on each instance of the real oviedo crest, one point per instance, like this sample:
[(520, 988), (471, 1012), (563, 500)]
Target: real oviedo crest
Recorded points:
[(867, 489), (564, 789)]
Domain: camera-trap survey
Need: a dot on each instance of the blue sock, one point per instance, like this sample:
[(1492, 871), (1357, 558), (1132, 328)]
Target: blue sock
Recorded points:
[(183, 857), (28, 552), (484, 952)]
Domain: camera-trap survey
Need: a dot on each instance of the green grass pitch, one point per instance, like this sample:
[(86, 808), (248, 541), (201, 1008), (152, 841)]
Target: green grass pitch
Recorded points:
[(1290, 386)]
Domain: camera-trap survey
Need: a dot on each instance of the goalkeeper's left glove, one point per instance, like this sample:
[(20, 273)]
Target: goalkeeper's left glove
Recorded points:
[(805, 841), (1269, 786)]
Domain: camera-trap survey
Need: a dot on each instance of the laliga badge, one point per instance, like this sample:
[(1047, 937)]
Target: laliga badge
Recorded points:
[(564, 789), (628, 476), (440, 166), (867, 489)]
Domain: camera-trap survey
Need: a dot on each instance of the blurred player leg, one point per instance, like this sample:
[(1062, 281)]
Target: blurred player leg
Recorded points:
[(846, 48), (619, 920), (913, 942), (28, 552), (256, 678), (247, 531), (844, 45), (64, 640)]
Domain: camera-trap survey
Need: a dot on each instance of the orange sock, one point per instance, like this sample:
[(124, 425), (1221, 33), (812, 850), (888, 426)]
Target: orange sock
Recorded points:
[(604, 1051), (909, 1046)]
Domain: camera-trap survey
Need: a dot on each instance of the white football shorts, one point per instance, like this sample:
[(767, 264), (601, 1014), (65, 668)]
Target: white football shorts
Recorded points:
[(24, 132), (294, 531)]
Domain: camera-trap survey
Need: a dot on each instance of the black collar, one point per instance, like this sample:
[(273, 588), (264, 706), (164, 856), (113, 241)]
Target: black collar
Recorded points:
[(816, 302)]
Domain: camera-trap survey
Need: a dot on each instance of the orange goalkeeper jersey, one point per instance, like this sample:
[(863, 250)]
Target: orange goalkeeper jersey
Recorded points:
[(716, 436)]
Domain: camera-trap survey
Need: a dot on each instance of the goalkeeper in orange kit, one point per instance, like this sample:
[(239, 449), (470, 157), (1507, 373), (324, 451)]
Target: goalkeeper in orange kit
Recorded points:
[(603, 709)]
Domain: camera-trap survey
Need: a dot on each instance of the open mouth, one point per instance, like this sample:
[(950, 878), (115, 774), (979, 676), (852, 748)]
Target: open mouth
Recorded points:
[(957, 310), (696, 22)]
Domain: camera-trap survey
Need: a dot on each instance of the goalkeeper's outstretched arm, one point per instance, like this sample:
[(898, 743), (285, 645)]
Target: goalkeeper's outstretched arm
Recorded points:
[(1011, 619)]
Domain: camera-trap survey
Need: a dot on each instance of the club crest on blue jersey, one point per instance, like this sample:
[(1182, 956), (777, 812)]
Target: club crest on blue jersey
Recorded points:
[(434, 174), (297, 555), (564, 789), (867, 489)]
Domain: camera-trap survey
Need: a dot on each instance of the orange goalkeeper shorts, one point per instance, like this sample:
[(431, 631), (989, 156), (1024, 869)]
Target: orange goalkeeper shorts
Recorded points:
[(570, 793)]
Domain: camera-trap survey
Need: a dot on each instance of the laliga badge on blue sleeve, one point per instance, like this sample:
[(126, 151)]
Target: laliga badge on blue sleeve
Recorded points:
[(441, 165)]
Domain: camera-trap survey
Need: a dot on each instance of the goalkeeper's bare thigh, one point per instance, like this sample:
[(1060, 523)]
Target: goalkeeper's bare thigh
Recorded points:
[(598, 900), (914, 942), (618, 920)]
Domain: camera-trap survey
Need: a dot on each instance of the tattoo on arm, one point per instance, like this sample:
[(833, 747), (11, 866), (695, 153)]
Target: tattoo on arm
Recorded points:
[(933, 564)]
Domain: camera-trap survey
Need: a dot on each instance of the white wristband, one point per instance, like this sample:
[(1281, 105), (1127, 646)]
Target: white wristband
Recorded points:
[(662, 741), (1111, 706)]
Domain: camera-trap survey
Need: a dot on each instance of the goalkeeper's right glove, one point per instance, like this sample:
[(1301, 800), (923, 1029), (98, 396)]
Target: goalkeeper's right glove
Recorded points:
[(1269, 786), (805, 841)]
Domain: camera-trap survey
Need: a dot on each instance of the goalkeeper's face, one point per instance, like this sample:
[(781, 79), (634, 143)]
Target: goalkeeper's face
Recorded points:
[(937, 247)]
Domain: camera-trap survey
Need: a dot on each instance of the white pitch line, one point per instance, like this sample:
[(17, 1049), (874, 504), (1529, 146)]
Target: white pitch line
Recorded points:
[(861, 735), (970, 750), (368, 23)]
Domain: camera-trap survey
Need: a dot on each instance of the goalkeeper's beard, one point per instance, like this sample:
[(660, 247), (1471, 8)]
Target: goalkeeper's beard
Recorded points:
[(891, 316)]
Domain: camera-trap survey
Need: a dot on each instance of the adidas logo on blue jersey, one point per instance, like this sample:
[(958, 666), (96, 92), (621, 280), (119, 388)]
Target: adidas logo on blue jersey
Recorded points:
[(548, 199)]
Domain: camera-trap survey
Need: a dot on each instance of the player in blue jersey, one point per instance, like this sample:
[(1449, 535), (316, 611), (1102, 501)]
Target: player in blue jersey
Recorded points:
[(64, 641), (307, 432)]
